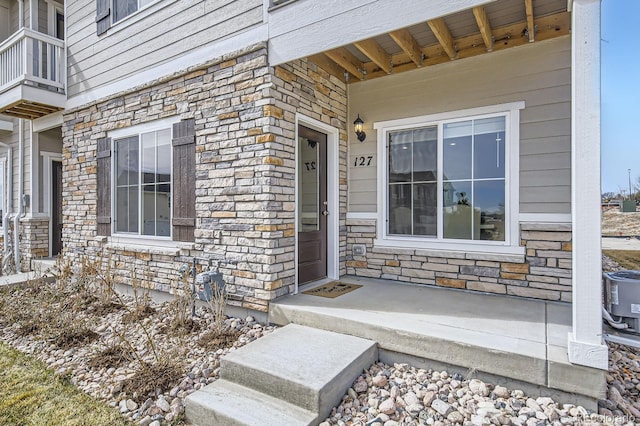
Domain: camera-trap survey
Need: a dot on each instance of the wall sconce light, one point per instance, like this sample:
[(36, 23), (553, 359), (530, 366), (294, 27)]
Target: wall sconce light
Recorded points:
[(358, 125)]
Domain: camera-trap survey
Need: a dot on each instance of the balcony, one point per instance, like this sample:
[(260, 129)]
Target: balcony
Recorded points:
[(32, 75)]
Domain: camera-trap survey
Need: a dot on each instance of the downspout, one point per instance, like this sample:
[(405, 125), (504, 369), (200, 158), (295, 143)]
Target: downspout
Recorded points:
[(20, 214), (20, 14), (9, 203)]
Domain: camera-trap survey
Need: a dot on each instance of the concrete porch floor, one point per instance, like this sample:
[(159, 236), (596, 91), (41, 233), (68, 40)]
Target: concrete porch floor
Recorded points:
[(520, 343)]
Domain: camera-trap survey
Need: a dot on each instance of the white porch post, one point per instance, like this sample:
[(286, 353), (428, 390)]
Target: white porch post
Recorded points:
[(585, 341)]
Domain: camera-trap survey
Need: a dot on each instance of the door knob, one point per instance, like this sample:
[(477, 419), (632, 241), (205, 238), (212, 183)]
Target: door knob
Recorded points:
[(325, 213)]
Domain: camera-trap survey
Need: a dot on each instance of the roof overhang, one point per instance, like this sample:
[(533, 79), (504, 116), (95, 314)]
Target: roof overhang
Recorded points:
[(448, 31)]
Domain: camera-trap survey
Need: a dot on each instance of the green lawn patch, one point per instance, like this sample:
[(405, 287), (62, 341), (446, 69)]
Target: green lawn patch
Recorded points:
[(628, 259), (32, 395)]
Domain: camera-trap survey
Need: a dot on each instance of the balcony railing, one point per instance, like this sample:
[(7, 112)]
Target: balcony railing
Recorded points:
[(30, 57)]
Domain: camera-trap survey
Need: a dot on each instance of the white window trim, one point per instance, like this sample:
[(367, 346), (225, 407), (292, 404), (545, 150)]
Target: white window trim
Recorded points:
[(47, 159), (131, 238), (136, 16), (511, 245)]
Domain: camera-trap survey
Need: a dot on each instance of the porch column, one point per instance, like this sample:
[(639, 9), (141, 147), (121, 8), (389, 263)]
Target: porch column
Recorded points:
[(585, 341)]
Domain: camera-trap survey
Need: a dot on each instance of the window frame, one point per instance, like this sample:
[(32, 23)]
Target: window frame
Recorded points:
[(136, 16), (123, 133), (511, 244)]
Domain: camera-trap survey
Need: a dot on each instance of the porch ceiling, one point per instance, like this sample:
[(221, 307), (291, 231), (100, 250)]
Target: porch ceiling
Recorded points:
[(30, 110), (495, 26)]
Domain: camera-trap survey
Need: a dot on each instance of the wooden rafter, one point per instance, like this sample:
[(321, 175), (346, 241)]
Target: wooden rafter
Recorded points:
[(408, 44), (376, 53), (531, 28), (329, 66), (484, 26), (507, 36), (346, 60), (442, 33)]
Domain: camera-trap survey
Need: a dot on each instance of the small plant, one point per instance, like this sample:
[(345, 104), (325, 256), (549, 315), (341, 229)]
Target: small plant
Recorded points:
[(142, 302), (151, 378), (111, 356)]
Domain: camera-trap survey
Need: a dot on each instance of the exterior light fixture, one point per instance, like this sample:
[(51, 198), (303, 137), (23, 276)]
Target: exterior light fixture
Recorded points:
[(358, 125)]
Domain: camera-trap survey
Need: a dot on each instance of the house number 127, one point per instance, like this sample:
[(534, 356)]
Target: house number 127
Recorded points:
[(363, 161)]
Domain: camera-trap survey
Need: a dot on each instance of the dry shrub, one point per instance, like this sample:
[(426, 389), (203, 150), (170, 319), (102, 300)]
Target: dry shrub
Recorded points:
[(112, 356), (75, 335), (216, 339), (152, 379), (28, 327)]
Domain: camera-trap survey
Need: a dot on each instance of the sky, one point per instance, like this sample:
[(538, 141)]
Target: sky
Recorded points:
[(620, 94)]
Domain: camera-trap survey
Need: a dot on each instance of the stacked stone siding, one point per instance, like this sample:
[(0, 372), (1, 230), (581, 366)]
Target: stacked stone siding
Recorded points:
[(34, 240), (244, 115), (544, 272)]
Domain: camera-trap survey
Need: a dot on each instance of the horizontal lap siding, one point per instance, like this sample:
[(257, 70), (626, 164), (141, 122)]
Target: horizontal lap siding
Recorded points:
[(538, 74), (178, 28)]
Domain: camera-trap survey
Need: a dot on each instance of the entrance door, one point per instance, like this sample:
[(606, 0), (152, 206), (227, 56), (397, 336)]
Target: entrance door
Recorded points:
[(312, 205), (56, 208)]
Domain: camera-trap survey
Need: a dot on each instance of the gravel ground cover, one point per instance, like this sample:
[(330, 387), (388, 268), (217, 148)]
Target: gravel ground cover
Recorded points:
[(141, 359), (144, 359)]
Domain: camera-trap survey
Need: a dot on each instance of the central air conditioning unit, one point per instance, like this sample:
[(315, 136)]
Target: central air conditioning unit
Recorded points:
[(622, 297)]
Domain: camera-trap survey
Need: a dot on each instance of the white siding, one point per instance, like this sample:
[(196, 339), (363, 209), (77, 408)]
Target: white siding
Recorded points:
[(175, 29), (538, 74)]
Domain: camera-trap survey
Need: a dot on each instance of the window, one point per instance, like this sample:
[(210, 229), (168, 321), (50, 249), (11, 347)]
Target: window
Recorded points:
[(148, 190), (450, 178), (143, 183), (123, 8), (110, 12)]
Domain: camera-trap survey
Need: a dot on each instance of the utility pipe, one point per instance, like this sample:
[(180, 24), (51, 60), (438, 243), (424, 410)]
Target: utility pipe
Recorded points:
[(20, 213), (20, 14), (9, 200)]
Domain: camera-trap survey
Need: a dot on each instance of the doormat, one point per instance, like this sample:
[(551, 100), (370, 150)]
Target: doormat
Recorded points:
[(332, 289)]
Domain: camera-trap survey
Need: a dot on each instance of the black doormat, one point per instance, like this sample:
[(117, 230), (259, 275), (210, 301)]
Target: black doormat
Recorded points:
[(332, 289)]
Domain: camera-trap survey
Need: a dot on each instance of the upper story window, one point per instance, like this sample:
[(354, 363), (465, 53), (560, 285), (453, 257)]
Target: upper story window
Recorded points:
[(110, 12), (123, 8), (450, 178)]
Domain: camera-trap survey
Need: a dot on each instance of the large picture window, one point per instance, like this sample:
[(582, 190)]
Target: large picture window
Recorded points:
[(449, 177), (143, 184)]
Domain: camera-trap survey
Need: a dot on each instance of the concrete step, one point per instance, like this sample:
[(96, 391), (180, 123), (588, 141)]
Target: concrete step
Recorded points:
[(301, 366), (229, 404)]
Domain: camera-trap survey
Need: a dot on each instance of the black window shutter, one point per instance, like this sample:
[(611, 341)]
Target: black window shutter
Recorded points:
[(184, 180), (103, 16), (103, 210)]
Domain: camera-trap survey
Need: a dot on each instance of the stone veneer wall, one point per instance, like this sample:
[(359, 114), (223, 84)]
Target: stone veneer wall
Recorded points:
[(244, 115), (34, 240), (543, 273)]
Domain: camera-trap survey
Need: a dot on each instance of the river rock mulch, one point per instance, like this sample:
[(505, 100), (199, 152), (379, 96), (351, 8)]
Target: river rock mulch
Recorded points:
[(402, 395), (129, 334), (129, 350)]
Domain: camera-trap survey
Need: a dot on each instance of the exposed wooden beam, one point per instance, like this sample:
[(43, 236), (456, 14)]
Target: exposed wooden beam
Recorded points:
[(329, 66), (408, 44), (376, 53), (442, 33), (346, 60), (531, 28), (484, 26), (508, 36)]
